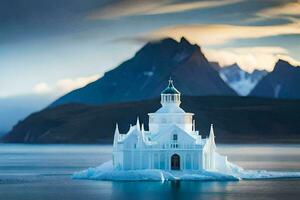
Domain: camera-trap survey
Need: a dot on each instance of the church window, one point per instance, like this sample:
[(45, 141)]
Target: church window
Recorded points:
[(175, 137)]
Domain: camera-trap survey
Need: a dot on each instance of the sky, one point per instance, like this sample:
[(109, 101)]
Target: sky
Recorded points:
[(50, 47)]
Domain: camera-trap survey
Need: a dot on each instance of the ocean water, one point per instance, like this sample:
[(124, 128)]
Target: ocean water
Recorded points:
[(43, 172)]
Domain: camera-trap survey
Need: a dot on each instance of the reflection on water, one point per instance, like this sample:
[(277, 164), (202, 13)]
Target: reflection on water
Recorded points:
[(38, 172), (168, 190), (269, 157)]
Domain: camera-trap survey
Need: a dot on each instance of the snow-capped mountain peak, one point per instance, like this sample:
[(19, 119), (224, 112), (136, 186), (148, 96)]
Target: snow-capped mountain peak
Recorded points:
[(239, 80)]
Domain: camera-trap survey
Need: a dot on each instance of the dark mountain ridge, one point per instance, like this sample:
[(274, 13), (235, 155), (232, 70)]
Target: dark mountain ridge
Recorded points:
[(145, 75), (282, 82), (236, 120)]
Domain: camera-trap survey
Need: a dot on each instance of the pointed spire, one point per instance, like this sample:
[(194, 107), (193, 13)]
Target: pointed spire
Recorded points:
[(211, 133), (138, 126), (170, 82), (141, 137), (212, 136), (142, 129), (116, 136)]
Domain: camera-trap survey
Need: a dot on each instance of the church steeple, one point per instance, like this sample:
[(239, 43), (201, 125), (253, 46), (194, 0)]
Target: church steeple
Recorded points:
[(211, 137), (170, 95), (116, 137)]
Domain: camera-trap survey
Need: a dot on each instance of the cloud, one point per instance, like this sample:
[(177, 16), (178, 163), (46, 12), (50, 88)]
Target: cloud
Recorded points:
[(263, 58), (182, 7), (288, 9), (216, 34), (42, 88), (127, 8), (67, 85), (64, 85)]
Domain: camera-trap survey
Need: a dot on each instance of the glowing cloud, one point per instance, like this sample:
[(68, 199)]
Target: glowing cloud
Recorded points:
[(181, 7), (42, 88), (67, 85), (127, 8), (221, 33), (262, 58), (288, 9), (64, 85)]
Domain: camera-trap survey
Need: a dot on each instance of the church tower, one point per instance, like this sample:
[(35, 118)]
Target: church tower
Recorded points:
[(170, 95), (170, 113)]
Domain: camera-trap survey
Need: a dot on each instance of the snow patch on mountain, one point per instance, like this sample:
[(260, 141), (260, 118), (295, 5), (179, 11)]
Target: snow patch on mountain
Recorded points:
[(239, 80)]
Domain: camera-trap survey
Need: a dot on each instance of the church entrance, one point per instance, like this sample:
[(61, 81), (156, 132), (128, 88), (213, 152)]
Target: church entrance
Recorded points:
[(175, 162)]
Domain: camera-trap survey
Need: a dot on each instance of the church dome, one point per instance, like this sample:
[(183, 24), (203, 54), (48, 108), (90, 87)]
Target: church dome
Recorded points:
[(170, 89), (170, 95)]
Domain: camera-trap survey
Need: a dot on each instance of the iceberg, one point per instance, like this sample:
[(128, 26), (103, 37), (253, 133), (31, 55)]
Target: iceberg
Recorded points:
[(171, 149), (106, 171)]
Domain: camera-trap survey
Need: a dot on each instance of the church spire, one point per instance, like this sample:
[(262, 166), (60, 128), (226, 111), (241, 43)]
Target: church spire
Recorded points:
[(142, 129), (116, 136), (211, 137), (138, 126), (141, 137)]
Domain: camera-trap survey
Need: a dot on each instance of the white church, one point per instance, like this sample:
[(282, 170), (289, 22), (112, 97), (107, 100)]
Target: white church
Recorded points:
[(171, 143)]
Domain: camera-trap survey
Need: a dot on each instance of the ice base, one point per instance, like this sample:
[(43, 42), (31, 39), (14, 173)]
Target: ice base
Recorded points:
[(107, 172)]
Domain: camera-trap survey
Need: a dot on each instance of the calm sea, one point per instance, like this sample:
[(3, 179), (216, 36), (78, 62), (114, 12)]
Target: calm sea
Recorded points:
[(43, 172)]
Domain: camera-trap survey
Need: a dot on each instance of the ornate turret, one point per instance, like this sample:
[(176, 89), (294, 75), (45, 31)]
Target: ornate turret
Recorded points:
[(170, 95)]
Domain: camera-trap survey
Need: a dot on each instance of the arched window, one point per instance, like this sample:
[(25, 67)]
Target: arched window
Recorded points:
[(175, 137), (175, 162)]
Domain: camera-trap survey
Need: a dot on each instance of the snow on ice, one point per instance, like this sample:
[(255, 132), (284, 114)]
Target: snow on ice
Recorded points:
[(107, 172)]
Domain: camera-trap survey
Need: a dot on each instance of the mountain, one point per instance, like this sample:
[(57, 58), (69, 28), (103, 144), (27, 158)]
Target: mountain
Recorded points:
[(13, 109), (215, 65), (282, 82), (239, 80), (236, 120), (146, 74)]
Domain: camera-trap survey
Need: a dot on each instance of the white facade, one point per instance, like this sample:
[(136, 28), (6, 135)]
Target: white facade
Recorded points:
[(171, 143)]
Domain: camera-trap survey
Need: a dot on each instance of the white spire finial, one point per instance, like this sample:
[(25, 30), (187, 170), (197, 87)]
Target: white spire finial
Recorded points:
[(142, 129), (212, 137), (117, 128), (211, 133), (143, 133), (116, 136), (138, 126)]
